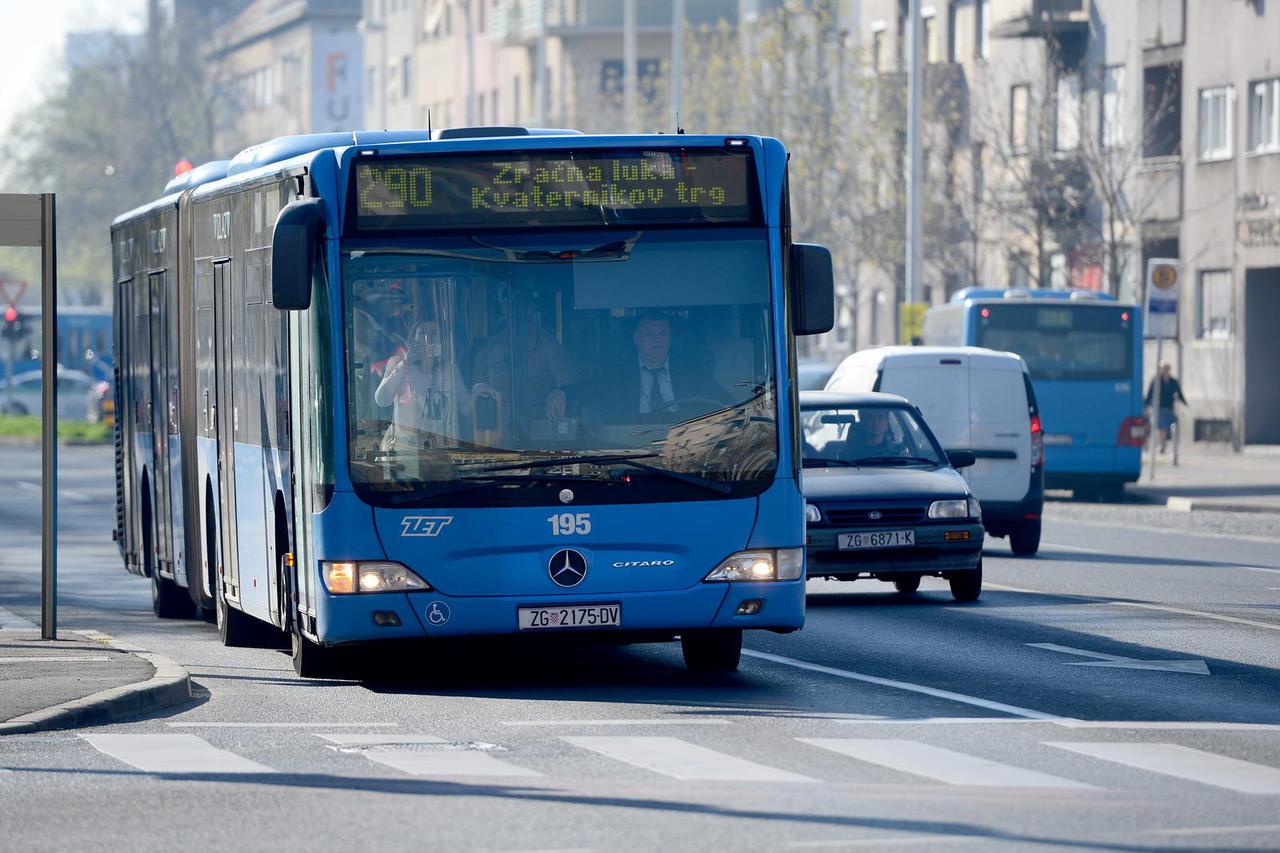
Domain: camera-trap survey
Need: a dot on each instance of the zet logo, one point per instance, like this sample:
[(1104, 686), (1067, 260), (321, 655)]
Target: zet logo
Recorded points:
[(424, 525)]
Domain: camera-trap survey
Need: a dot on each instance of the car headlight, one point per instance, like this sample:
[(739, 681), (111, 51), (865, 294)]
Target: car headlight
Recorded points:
[(345, 578), (812, 514), (975, 508), (949, 509), (783, 564)]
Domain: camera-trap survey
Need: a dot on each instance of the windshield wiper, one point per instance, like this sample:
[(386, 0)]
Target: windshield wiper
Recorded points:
[(617, 459), (467, 482), (819, 461), (895, 460)]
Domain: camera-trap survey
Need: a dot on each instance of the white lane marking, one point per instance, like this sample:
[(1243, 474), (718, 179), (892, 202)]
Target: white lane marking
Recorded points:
[(56, 659), (877, 843), (1235, 537), (448, 760), (1191, 667), (1170, 759), (62, 493), (1212, 830), (1199, 613), (1080, 548), (213, 725), (11, 620), (906, 685), (703, 721), (943, 721), (942, 765), (1258, 569), (1173, 725), (683, 760), (173, 754)]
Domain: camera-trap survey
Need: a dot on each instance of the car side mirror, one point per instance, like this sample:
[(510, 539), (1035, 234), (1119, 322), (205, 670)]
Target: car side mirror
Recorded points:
[(294, 245), (962, 458), (813, 295)]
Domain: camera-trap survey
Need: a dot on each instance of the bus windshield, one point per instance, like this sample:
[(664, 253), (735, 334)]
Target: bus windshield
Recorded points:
[(499, 369), (1062, 341)]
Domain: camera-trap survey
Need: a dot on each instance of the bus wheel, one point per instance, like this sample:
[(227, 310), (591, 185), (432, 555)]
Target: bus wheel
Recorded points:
[(168, 600), (311, 660), (966, 586), (1024, 539), (714, 650), (235, 628), (910, 583)]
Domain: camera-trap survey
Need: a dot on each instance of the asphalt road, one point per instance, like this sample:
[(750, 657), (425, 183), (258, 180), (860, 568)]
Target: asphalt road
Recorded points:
[(1119, 692)]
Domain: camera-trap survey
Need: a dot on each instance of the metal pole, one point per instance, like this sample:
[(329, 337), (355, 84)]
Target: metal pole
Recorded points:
[(541, 91), (49, 417), (472, 118), (629, 65), (1155, 412), (677, 61), (914, 94)]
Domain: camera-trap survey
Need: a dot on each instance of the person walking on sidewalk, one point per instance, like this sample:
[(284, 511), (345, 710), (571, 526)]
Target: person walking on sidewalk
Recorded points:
[(1170, 393)]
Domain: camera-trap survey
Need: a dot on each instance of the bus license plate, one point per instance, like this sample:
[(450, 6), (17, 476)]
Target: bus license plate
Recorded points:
[(878, 539), (575, 616)]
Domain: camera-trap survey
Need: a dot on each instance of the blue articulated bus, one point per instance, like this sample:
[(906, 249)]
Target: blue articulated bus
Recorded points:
[(1084, 352), (384, 385)]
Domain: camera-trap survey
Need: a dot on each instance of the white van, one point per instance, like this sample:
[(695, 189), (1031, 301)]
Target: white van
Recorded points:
[(973, 399)]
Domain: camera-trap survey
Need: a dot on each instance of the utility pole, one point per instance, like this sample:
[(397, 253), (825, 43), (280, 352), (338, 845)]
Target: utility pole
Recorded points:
[(914, 171), (677, 61), (629, 65)]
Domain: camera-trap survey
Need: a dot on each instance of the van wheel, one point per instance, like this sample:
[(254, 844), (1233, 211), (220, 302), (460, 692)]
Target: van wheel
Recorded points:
[(967, 586), (714, 650), (911, 583), (315, 661), (1025, 538)]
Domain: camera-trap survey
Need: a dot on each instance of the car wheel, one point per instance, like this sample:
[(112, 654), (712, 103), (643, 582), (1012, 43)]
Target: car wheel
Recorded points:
[(967, 586), (910, 583), (715, 650), (1025, 538)]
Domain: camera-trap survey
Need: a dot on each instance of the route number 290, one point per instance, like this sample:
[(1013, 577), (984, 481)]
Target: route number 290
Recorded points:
[(570, 523)]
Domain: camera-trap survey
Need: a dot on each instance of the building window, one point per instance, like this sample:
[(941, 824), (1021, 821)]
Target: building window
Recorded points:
[(1019, 117), (516, 115), (978, 153), (955, 46), (612, 79), (1264, 115), (1215, 122), (1112, 117), (1162, 110), (1213, 305), (982, 29), (1069, 104), (406, 75), (929, 48), (497, 107), (1019, 268), (877, 46)]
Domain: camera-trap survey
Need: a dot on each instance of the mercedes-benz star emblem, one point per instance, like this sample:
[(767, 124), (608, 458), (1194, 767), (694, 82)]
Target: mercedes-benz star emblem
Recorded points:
[(567, 567), (874, 514)]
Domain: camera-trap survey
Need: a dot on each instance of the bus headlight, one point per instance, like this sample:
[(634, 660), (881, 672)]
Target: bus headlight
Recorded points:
[(783, 564), (949, 509), (345, 578)]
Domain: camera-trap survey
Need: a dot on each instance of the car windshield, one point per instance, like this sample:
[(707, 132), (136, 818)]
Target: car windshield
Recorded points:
[(870, 436), (496, 369)]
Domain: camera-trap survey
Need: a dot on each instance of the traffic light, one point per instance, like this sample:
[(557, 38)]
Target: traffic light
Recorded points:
[(13, 329)]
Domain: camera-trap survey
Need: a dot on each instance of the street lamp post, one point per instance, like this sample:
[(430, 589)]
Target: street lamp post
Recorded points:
[(914, 171)]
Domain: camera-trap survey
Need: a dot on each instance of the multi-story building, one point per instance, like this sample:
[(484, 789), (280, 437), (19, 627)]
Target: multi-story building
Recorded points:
[(287, 66), (1097, 134)]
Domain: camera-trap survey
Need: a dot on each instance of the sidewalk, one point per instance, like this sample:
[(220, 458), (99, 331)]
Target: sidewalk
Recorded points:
[(1212, 478), (83, 679)]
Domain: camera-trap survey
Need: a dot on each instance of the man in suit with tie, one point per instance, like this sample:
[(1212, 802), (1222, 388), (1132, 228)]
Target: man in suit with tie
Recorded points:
[(650, 386)]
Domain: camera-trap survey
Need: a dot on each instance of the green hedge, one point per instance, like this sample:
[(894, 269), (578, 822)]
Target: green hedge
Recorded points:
[(28, 426)]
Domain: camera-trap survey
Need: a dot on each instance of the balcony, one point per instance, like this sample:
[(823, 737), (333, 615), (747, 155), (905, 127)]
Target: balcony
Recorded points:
[(520, 21), (1040, 18), (1158, 194)]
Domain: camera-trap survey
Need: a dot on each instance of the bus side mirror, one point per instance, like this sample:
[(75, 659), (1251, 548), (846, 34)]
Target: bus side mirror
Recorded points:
[(294, 245), (814, 296)]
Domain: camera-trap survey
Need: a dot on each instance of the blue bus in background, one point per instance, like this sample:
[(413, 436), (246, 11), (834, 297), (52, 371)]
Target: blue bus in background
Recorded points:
[(84, 340), (388, 385), (1084, 351)]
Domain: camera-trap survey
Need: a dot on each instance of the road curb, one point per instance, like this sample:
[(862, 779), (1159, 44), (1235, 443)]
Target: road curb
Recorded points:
[(1183, 504), (169, 685)]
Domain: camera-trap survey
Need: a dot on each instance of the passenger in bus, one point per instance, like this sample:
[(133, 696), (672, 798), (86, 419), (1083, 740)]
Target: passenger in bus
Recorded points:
[(649, 385), (425, 390)]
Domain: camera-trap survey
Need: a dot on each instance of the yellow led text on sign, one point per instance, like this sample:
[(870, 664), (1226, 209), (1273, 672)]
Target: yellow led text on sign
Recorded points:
[(391, 188)]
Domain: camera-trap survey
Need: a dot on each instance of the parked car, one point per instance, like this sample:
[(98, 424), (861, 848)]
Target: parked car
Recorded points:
[(974, 399), (73, 390), (813, 373), (883, 499)]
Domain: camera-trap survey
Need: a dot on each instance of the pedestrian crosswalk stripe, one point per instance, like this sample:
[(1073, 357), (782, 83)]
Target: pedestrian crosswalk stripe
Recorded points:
[(172, 753), (1183, 762), (683, 760), (943, 765), (393, 751)]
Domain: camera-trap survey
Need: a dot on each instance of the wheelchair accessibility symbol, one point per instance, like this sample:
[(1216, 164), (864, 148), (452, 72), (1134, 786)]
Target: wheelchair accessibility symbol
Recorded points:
[(437, 613)]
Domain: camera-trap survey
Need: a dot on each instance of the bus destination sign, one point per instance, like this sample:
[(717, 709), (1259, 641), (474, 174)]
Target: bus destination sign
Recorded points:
[(561, 188)]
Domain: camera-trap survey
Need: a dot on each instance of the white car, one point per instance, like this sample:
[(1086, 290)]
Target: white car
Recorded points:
[(974, 399), (24, 399)]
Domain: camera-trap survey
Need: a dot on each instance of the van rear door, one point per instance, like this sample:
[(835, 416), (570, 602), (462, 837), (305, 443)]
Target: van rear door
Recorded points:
[(1000, 429), (939, 386)]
